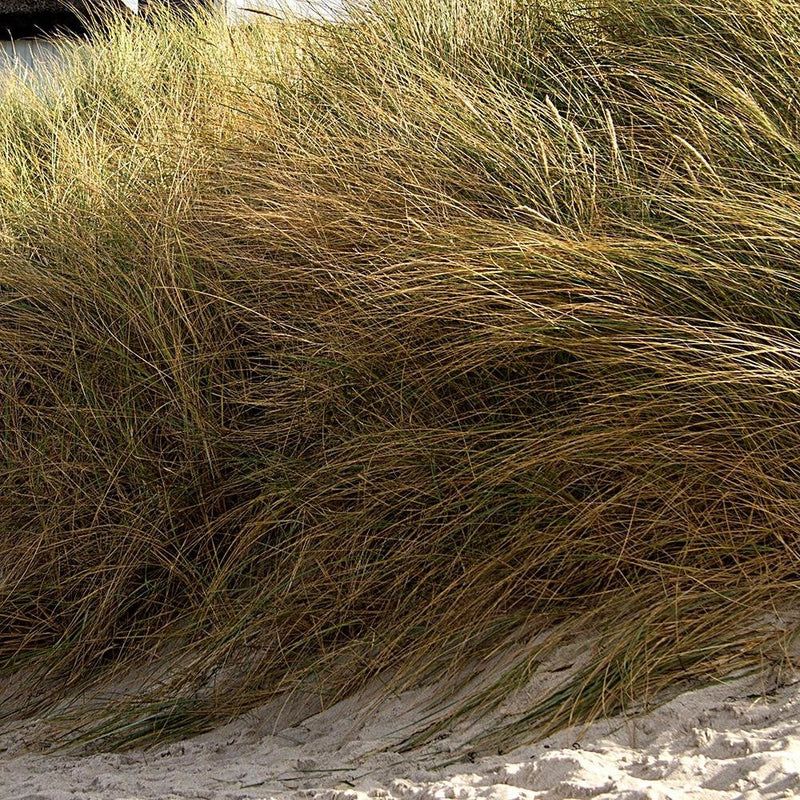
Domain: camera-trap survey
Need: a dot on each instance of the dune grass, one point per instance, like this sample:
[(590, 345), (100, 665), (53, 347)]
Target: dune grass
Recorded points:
[(339, 350)]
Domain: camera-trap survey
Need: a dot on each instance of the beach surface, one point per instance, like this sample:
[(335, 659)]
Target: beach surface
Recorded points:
[(738, 739)]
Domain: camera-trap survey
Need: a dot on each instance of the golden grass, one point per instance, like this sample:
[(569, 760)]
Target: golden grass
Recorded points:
[(336, 350)]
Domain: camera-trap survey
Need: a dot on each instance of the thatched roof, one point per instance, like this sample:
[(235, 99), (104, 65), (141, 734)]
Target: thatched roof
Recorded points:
[(19, 18), (31, 6)]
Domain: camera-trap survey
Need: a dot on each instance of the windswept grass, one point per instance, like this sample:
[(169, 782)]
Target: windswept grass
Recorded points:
[(337, 350)]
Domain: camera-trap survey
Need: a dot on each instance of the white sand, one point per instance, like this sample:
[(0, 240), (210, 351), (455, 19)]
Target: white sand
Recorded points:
[(734, 740)]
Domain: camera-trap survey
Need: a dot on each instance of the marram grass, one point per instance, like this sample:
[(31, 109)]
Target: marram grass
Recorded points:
[(336, 350)]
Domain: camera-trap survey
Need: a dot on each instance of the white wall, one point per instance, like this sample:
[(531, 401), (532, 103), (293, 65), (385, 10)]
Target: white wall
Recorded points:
[(38, 56), (237, 9), (28, 56)]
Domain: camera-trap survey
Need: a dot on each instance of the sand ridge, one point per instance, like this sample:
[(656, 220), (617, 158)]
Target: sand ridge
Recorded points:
[(739, 739)]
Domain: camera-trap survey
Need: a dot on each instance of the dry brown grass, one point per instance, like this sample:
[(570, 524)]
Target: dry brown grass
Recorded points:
[(336, 350)]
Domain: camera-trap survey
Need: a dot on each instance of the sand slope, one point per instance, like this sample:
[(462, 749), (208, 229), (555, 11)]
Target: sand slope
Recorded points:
[(735, 740)]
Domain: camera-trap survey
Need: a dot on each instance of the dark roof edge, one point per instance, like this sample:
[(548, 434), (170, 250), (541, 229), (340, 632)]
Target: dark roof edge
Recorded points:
[(18, 25)]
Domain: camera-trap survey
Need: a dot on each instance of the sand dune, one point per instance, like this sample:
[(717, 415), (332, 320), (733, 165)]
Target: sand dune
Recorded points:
[(740, 739)]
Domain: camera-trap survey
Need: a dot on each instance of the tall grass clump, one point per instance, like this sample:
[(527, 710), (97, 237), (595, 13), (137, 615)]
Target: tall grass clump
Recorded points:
[(392, 345)]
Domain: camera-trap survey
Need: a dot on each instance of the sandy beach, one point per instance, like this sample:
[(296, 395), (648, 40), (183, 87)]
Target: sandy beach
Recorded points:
[(739, 739)]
